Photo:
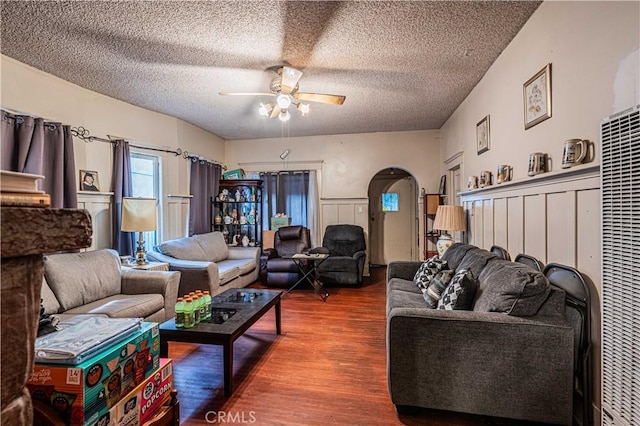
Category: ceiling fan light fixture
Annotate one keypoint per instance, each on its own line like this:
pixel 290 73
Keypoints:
pixel 303 108
pixel 265 109
pixel 283 101
pixel 284 115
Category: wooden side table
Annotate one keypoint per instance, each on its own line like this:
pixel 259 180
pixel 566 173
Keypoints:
pixel 150 266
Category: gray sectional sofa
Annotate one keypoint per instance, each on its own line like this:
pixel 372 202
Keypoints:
pixel 207 263
pixel 510 356
pixel 94 283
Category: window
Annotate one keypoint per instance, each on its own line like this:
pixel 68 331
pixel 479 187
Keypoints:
pixel 390 202
pixel 285 192
pixel 145 182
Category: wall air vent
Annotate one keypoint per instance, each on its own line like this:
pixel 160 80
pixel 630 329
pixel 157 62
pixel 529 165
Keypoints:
pixel 620 174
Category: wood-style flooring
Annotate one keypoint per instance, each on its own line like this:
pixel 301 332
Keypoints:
pixel 328 367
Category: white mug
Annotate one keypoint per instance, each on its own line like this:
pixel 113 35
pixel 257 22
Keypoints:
pixel 571 146
pixel 537 163
pixel 472 182
pixel 505 173
pixel 485 179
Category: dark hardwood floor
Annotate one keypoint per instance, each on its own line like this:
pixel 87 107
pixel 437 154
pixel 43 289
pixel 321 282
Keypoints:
pixel 327 367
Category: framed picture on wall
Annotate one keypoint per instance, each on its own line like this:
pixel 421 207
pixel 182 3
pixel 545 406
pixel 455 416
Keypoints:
pixel 89 181
pixel 482 135
pixel 537 97
pixel 443 185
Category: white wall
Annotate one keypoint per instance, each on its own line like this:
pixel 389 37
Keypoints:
pixel 593 49
pixel 29 90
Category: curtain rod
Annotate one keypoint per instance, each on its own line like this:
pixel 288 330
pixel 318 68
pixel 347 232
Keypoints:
pixel 84 134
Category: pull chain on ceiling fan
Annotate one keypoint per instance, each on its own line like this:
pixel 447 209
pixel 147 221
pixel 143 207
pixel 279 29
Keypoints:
pixel 284 88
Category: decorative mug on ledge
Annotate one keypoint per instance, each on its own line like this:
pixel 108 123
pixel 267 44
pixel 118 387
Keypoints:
pixel 505 173
pixel 472 182
pixel 485 179
pixel 537 163
pixel 575 152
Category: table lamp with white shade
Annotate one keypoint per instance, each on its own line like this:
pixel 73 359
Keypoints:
pixel 448 218
pixel 139 215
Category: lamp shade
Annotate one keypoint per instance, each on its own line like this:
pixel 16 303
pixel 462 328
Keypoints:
pixel 138 214
pixel 449 218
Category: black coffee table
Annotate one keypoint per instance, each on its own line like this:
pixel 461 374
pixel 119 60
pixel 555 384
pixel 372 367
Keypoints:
pixel 233 312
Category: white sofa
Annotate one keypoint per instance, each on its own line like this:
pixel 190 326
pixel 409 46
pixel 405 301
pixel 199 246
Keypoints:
pixel 207 263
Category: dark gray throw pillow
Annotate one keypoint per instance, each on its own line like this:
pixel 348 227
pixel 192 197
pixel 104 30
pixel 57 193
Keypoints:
pixel 460 292
pixel 512 288
pixel 438 284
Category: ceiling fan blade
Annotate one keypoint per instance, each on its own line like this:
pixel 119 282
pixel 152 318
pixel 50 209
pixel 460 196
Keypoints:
pixel 320 97
pixel 275 112
pixel 290 78
pixel 246 94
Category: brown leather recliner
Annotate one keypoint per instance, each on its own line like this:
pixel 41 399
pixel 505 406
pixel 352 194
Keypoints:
pixel 287 241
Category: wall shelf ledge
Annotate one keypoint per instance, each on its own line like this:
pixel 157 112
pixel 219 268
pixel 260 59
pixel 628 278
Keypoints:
pixel 555 176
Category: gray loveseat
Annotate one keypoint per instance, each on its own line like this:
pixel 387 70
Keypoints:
pixel 511 356
pixel 207 263
pixel 94 283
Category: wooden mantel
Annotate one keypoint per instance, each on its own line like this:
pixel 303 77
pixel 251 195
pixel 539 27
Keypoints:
pixel 26 234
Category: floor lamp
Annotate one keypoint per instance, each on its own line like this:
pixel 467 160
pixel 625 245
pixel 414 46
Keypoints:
pixel 139 215
pixel 448 218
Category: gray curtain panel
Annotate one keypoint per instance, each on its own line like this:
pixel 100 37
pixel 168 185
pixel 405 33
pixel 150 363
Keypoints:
pixel 22 143
pixel 59 166
pixel 31 145
pixel 123 242
pixel 205 184
pixel 286 192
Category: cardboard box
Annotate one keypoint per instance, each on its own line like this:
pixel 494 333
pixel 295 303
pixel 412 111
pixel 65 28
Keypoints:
pixel 141 403
pixel 233 174
pixel 279 222
pixel 76 392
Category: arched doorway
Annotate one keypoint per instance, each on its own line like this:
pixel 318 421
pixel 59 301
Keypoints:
pixel 393 226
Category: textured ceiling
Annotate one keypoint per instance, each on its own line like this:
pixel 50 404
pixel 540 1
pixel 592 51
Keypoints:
pixel 401 65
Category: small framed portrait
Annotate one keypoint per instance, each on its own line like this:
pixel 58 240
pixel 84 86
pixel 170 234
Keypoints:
pixel 89 181
pixel 443 185
pixel 537 97
pixel 482 135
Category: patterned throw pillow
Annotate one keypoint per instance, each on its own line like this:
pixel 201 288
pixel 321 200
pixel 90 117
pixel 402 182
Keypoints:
pixel 438 284
pixel 427 271
pixel 460 292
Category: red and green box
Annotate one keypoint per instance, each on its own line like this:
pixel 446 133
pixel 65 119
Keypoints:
pixel 76 392
pixel 142 403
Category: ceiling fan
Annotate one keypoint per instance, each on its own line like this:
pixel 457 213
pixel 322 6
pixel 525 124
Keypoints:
pixel 284 87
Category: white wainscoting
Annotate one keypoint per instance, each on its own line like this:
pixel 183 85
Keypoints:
pixel 554 217
pixel 352 211
pixel 98 204
pixel 176 216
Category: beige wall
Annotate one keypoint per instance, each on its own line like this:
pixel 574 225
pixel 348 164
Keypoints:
pixel 29 90
pixel 593 49
pixel 346 165
pixel 349 162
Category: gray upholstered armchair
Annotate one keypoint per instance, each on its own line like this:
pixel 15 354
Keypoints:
pixel 345 245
